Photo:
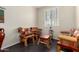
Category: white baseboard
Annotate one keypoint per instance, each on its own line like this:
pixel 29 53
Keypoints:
pixel 2 48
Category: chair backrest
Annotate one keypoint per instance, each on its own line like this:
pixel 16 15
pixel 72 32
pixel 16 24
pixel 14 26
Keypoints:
pixel 19 29
pixel 22 30
pixel 33 28
pixel 2 29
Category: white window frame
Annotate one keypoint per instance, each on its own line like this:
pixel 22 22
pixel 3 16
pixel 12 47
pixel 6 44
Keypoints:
pixel 51 17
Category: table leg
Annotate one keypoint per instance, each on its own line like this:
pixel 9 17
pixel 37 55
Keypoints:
pixel 58 48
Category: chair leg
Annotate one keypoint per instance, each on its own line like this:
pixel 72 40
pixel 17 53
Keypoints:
pixel 48 45
pixel 33 40
pixel 38 41
pixel 25 42
pixel 37 38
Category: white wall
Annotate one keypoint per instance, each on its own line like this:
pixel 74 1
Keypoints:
pixel 17 17
pixel 77 17
pixel 26 17
pixel 66 16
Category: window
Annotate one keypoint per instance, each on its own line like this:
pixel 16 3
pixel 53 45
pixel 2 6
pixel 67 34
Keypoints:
pixel 51 17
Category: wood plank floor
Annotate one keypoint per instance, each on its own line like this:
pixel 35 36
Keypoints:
pixel 31 48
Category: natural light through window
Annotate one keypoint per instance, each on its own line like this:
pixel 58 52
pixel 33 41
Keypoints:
pixel 51 17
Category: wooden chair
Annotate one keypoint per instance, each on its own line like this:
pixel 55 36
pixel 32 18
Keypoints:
pixel 25 34
pixel 36 32
pixel 24 39
pixel 2 35
pixel 45 39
